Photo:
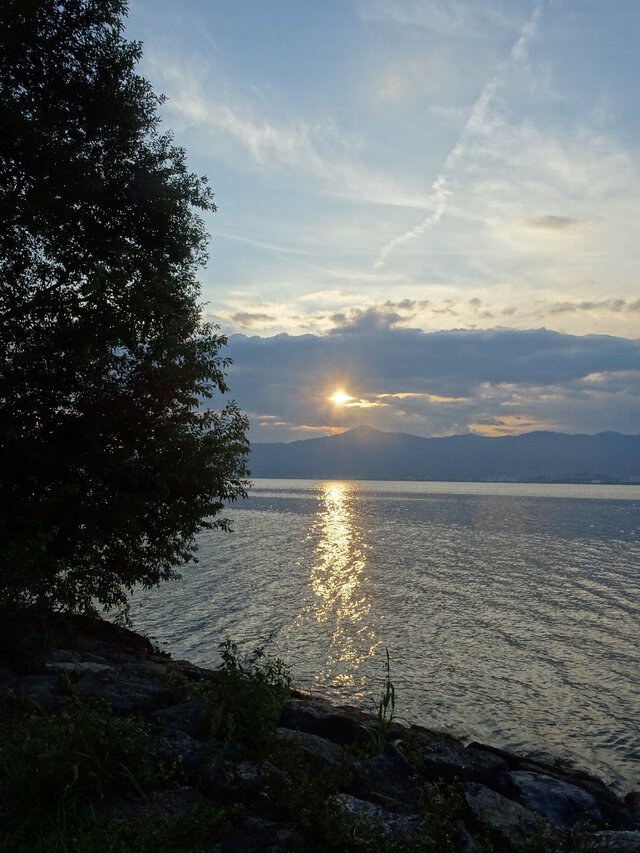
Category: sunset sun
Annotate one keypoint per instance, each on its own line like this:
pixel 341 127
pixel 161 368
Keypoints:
pixel 340 398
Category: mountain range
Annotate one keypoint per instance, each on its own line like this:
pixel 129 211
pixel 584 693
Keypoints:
pixel 365 453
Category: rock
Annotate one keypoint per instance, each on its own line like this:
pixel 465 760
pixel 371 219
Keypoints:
pixel 512 761
pixel 180 754
pixel 564 803
pixel 323 754
pixel 193 716
pixel 192 672
pixel 318 717
pixel 171 804
pixel 76 667
pixel 124 694
pixel 143 668
pixel 388 780
pixel 87 631
pixel 615 814
pixel 567 774
pixel 41 690
pixel 356 811
pixel 229 778
pixel 620 842
pixel 64 656
pixel 258 835
pixel 236 781
pixel 509 821
pixel 632 802
pixel 612 810
pixel 485 766
pixel 510 800
pixel 444 758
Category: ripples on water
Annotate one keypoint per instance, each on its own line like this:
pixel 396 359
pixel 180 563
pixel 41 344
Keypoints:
pixel 510 612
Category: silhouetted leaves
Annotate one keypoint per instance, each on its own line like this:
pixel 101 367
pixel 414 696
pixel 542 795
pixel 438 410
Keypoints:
pixel 107 465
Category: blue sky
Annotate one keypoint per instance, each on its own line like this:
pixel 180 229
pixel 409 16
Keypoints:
pixel 437 181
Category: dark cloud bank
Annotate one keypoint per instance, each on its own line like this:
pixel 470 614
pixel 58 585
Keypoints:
pixel 436 383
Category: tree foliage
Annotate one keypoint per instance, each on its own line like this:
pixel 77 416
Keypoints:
pixel 108 464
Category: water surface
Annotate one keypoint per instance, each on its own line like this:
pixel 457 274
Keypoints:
pixel 510 611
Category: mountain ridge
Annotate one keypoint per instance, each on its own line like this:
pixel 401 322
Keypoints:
pixel 366 453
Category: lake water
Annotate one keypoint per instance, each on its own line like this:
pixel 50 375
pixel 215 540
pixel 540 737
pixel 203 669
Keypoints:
pixel 510 612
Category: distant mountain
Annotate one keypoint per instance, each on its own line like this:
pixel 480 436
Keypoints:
pixel 368 454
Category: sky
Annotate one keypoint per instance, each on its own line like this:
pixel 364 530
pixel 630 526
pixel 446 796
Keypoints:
pixel 427 209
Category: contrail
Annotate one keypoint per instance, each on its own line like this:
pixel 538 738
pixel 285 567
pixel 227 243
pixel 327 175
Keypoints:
pixel 440 189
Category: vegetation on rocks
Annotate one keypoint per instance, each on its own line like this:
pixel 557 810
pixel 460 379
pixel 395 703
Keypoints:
pixel 109 745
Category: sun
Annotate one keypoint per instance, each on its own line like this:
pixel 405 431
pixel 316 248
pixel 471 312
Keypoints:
pixel 340 398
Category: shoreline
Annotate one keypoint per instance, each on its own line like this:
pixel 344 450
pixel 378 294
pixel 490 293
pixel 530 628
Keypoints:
pixel 384 771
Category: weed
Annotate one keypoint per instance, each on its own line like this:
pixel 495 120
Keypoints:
pixel 256 666
pixel 303 795
pixel 155 833
pixel 442 809
pixel 385 714
pixel 253 690
pixel 56 769
pixel 305 798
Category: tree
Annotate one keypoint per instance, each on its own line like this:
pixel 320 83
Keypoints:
pixel 109 462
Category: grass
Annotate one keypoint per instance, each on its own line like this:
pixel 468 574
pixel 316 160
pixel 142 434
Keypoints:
pixel 57 769
pixel 304 797
pixel 62 773
pixel 154 833
pixel 251 695
pixel 385 714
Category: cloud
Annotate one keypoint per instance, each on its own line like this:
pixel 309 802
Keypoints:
pixel 617 306
pixel 320 150
pixel 508 425
pixel 476 123
pixel 552 223
pixel 460 18
pixel 437 383
pixel 385 316
pixel 261 244
pixel 246 320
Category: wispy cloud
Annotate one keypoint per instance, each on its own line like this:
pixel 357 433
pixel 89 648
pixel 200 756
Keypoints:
pixel 618 306
pixel 461 18
pixel 476 123
pixel 260 244
pixel 320 150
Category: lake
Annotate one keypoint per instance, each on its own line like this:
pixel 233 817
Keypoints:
pixel 510 611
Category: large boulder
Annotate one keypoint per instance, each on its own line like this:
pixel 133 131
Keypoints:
pixel 342 725
pixel 387 779
pixel 320 753
pixel 561 802
pixel 508 822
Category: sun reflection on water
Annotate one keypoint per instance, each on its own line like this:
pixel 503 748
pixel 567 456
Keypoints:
pixel 338 581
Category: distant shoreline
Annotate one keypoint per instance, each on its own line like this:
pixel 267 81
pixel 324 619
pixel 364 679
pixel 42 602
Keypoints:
pixel 309 477
pixel 537 457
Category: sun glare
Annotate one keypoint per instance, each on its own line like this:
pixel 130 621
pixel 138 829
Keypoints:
pixel 340 398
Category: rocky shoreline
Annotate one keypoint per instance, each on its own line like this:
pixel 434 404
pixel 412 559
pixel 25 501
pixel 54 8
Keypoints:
pixel 418 789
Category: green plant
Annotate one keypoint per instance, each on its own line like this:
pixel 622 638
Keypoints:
pixel 56 769
pixel 155 833
pixel 304 796
pixel 251 694
pixel 385 713
pixel 442 808
pixel 256 666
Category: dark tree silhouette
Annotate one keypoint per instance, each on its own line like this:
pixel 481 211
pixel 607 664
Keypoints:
pixel 108 464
